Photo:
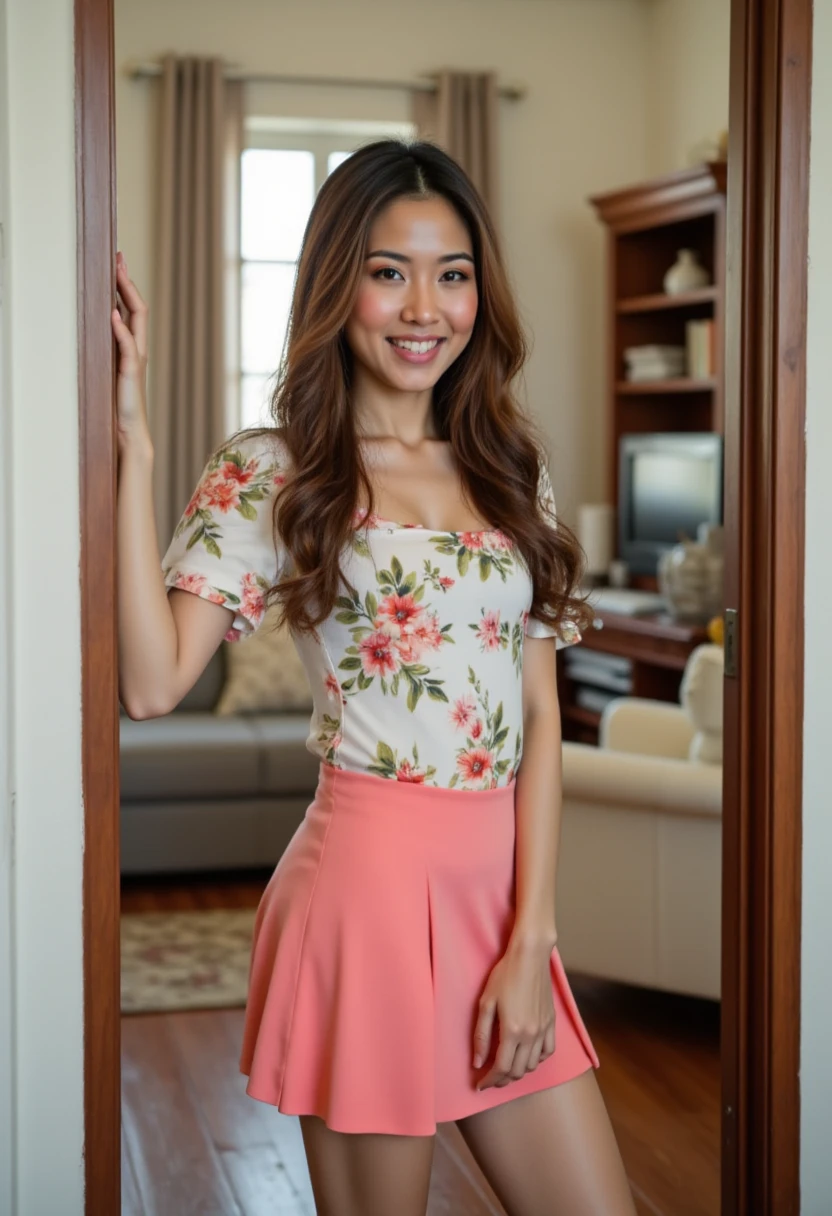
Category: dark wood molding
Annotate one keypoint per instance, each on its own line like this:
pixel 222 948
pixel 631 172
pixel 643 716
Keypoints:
pixel 768 165
pixel 96 215
pixel 685 192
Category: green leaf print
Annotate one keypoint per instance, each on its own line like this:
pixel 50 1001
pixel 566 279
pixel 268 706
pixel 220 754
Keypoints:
pixel 396 567
pixel 371 604
pixel 246 509
pixel 212 547
pixel 350 664
pixel 435 693
pixel 463 561
pixel 485 567
pixel 386 754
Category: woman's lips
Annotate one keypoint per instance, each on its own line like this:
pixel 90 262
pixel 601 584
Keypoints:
pixel 409 355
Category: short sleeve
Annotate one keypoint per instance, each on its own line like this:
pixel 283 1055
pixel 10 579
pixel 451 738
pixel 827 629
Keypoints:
pixel 568 634
pixel 223 548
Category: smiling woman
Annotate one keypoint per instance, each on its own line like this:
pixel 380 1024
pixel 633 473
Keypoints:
pixel 438 791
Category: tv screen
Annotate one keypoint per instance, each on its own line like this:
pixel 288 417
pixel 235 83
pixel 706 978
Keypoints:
pixel 669 485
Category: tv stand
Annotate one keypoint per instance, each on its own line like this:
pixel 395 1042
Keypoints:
pixel 657 645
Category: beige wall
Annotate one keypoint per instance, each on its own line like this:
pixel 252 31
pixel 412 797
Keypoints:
pixel 687 81
pixel 580 129
pixel 816 961
pixel 41 1120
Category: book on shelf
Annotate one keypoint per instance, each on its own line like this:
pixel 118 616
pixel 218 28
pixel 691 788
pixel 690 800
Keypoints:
pixel 654 362
pixel 599 660
pixel 700 345
pixel 589 674
pixel 594 699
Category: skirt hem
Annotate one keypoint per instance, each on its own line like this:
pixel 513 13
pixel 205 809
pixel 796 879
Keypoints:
pixel 339 1125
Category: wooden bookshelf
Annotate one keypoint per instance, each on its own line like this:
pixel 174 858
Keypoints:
pixel 647 224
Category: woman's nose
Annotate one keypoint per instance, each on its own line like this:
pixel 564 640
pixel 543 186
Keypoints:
pixel 420 306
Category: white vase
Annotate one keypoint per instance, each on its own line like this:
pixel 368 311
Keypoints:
pixel 686 274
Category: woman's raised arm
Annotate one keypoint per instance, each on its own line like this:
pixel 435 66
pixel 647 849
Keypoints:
pixel 164 642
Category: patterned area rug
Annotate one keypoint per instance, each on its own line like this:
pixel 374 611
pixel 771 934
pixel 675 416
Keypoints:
pixel 185 960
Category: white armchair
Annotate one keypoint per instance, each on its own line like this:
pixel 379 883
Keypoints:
pixel 640 873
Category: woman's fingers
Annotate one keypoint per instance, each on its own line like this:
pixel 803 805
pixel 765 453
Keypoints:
pixel 482 1033
pixel 136 306
pixel 535 1053
pixel 498 1074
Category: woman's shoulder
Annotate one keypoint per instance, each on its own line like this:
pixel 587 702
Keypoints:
pixel 261 449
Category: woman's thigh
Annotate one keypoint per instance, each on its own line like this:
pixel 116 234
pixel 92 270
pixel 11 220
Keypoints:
pixel 552 1153
pixel 366 1174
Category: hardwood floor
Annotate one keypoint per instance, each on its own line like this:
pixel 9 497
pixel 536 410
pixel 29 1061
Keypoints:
pixel 194 1144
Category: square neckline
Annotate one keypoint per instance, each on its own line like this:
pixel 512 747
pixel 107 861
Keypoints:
pixel 382 521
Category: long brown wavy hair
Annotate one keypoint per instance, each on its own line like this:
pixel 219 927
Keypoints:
pixel 497 445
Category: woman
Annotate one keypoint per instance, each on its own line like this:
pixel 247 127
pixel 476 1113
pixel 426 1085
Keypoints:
pixel 404 969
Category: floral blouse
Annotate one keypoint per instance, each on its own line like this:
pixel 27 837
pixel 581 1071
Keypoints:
pixel 416 673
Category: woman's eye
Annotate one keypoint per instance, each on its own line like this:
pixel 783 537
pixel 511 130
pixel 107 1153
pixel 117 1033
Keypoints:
pixel 385 273
pixel 461 276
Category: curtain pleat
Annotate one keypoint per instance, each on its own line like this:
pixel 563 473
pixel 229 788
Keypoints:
pixel 195 346
pixel 461 116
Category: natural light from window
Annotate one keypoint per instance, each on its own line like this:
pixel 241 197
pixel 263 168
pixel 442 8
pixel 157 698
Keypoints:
pixel 282 170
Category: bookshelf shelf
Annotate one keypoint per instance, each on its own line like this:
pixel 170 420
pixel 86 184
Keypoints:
pixel 660 301
pixel 638 388
pixel 646 226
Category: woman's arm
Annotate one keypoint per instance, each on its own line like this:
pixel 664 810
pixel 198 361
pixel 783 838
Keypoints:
pixel 165 639
pixel 163 643
pixel 538 796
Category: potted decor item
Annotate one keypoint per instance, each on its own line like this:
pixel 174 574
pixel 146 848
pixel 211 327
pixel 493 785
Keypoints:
pixel 691 576
pixel 686 274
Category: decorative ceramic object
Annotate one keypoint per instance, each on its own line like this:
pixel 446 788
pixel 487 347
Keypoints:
pixel 691 576
pixel 686 274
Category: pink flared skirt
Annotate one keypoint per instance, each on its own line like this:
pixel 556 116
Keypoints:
pixel 372 944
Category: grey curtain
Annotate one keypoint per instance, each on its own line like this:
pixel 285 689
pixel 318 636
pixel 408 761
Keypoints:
pixel 461 116
pixel 194 356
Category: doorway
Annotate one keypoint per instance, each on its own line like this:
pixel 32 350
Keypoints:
pixel 764 434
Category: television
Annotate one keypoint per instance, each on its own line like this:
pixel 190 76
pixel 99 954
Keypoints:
pixel 668 485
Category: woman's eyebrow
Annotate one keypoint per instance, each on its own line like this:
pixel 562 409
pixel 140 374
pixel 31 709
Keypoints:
pixel 400 257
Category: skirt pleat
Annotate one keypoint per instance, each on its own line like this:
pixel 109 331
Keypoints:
pixel 372 943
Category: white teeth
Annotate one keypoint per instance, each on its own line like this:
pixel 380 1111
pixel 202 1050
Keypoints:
pixel 419 348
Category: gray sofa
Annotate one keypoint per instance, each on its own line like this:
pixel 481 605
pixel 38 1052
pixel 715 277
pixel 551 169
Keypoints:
pixel 204 792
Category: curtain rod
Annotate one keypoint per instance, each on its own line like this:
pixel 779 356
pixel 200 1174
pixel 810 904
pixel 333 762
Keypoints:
pixel 426 85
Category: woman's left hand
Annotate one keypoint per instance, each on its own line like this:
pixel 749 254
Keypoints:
pixel 519 992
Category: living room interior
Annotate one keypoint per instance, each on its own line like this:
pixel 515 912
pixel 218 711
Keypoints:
pixel 609 191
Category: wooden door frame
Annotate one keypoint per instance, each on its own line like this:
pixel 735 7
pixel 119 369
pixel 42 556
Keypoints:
pixel 765 389
pixel 766 286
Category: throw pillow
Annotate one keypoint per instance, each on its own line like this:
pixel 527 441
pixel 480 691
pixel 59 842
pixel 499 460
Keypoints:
pixel 264 673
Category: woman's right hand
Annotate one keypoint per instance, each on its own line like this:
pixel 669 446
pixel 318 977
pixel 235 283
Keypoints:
pixel 131 335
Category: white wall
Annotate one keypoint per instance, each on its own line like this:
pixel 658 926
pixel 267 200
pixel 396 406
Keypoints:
pixel 580 129
pixel 816 961
pixel 41 1169
pixel 687 82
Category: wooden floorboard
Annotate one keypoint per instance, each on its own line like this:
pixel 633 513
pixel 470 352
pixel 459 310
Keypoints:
pixel 194 1142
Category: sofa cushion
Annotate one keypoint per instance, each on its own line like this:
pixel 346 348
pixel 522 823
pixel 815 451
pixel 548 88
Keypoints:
pixel 288 768
pixel 189 755
pixel 264 673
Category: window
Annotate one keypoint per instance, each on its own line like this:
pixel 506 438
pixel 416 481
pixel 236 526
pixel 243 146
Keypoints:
pixel 284 164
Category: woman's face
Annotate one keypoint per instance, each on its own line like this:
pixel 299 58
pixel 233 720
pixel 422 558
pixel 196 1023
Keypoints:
pixel 417 302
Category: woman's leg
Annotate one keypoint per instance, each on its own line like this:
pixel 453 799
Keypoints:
pixel 552 1153
pixel 366 1174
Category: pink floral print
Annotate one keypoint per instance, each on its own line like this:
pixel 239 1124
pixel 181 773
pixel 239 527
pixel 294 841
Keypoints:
pixel 417 672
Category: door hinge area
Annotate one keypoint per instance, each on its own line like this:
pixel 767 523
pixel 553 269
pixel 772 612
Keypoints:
pixel 731 642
